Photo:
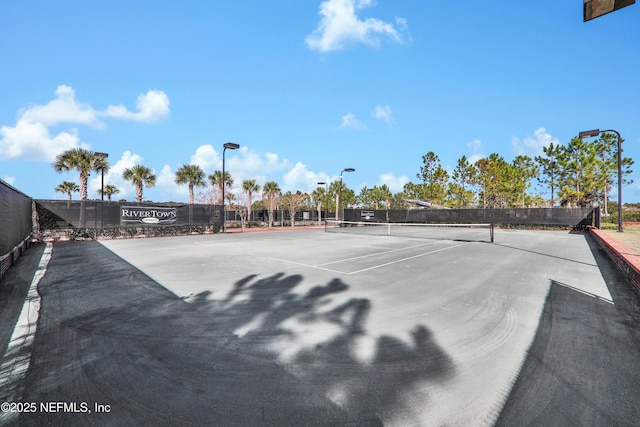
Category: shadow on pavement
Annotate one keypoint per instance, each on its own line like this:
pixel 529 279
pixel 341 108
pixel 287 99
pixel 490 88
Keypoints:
pixel 261 355
pixel 582 368
pixel 14 287
pixel 622 291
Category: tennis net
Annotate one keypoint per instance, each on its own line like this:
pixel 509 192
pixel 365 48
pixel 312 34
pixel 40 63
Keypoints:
pixel 460 232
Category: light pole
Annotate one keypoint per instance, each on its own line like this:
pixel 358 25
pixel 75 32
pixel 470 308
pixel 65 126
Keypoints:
pixel 326 191
pixel 230 146
pixel 339 193
pixel 596 132
pixel 103 156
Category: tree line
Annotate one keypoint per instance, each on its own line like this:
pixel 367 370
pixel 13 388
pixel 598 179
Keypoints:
pixel 580 173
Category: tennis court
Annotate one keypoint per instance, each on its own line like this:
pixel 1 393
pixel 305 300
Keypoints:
pixel 309 327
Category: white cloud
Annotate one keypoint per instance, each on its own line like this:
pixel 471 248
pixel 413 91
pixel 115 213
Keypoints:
pixel 349 121
pixel 241 164
pixel 301 178
pixel 244 162
pixel 383 113
pixel 63 109
pixel 395 183
pixel 166 183
pixel 476 151
pixel 273 161
pixel 152 106
pixel 114 177
pixel 247 163
pixel 9 179
pixel 31 139
pixel 533 145
pixel 207 158
pixel 340 26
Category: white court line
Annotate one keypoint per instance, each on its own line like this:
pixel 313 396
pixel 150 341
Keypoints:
pixel 319 267
pixel 376 254
pixel 18 355
pixel 408 258
pixel 309 266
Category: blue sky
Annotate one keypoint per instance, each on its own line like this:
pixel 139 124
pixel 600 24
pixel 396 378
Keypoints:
pixel 307 88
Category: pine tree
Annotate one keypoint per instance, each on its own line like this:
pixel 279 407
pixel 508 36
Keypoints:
pixel 550 168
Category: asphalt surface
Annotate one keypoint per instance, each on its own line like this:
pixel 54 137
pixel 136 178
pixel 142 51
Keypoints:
pixel 307 328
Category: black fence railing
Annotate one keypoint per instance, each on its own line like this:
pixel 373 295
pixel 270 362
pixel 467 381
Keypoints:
pixel 569 217
pixel 15 224
pixel 57 214
pixel 95 214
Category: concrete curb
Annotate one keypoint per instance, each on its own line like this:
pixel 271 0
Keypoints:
pixel 627 260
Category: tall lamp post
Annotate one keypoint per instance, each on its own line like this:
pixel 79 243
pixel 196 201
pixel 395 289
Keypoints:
pixel 326 191
pixel 339 194
pixel 596 132
pixel 103 156
pixel 230 146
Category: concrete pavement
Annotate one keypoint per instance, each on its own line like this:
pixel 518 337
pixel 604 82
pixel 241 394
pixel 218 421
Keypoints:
pixel 308 328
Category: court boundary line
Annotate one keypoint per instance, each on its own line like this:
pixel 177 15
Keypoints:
pixel 349 273
pixel 411 257
pixel 378 253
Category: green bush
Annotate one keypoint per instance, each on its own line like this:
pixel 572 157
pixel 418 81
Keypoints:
pixel 627 216
pixel 127 232
pixel 608 226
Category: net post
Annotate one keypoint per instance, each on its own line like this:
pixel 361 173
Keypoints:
pixel 491 231
pixel 388 229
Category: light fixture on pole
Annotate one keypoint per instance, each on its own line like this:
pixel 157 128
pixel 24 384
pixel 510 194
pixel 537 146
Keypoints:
pixel 596 132
pixel 230 146
pixel 339 193
pixel 103 156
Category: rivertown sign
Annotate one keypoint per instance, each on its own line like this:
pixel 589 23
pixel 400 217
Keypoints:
pixel 148 215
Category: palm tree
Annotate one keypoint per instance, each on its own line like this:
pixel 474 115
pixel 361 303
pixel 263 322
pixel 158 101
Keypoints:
pixel 139 175
pixel 109 190
pixel 68 187
pixel 192 175
pixel 317 196
pixel 216 180
pixel 249 186
pixel 83 161
pixel 271 192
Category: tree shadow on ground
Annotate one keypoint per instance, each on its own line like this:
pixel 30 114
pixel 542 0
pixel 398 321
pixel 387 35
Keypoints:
pixel 267 353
